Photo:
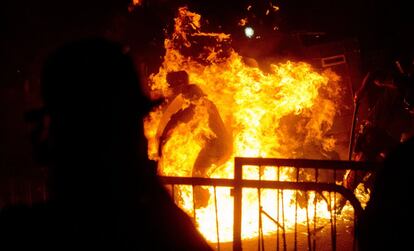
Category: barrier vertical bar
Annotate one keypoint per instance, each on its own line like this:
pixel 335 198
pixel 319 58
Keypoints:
pixel 237 194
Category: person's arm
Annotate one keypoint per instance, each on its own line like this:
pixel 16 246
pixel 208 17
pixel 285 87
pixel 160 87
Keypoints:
pixel 171 109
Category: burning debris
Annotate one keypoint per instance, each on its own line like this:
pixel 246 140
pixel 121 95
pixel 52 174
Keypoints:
pixel 227 108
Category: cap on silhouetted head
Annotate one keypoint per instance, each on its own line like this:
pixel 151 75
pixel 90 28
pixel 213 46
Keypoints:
pixel 92 76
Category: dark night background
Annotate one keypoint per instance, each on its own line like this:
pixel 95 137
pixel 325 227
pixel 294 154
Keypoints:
pixel 31 29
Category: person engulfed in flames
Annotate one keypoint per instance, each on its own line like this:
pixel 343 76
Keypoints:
pixel 180 108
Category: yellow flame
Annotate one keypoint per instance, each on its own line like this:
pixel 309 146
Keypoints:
pixel 282 112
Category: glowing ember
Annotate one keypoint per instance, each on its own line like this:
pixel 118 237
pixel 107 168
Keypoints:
pixel 283 113
pixel 243 22
pixel 134 3
pixel 137 2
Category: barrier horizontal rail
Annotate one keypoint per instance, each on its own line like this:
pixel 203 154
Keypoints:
pixel 267 184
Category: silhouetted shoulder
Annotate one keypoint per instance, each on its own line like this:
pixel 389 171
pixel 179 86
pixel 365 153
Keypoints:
pixel 385 223
pixel 24 227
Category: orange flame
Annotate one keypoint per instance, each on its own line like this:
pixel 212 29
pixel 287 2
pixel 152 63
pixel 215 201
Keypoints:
pixel 283 112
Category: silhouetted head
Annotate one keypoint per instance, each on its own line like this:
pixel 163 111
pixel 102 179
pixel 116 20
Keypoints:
pixel 177 79
pixel 92 75
pixel 179 83
pixel 96 105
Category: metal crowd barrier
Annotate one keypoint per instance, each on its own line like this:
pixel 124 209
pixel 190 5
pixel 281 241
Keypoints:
pixel 317 186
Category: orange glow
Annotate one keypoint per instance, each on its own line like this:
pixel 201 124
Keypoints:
pixel 134 4
pixel 137 2
pixel 280 113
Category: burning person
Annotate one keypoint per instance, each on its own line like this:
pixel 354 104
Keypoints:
pixel 180 108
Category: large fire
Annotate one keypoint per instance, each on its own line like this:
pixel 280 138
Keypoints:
pixel 283 112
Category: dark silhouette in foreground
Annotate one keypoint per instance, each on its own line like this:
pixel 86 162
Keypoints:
pixel 104 193
pixel 387 221
pixel 389 96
